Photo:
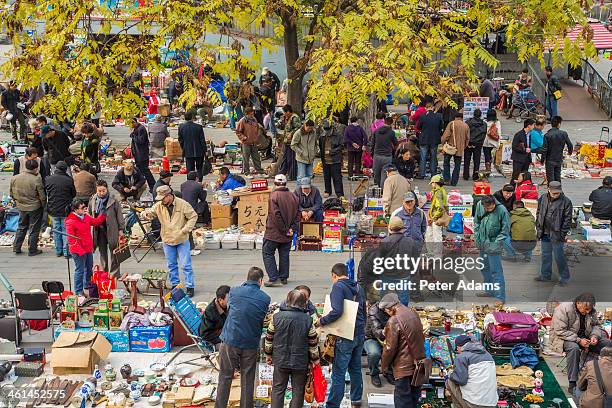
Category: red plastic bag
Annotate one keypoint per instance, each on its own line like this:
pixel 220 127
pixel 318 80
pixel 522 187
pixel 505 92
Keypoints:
pixel 320 384
pixel 366 160
pixel 104 282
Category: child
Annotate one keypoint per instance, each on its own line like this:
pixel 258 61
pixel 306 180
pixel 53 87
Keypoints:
pixel 405 164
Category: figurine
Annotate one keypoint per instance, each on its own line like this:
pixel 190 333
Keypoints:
pixel 538 387
pixel 110 373
pixel 126 371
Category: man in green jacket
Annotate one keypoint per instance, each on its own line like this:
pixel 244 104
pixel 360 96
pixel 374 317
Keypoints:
pixel 304 144
pixel 491 229
pixel 523 237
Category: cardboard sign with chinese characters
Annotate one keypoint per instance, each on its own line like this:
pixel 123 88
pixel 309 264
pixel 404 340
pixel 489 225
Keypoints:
pixel 252 215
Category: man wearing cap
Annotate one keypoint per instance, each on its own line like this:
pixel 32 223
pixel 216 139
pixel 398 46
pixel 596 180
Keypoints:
pixel 310 201
pixel 60 193
pixel 177 219
pixel 472 383
pixel 553 224
pixel 602 200
pixel 165 177
pixel 281 223
pixel 414 219
pixel 56 144
pixel 129 182
pixel 404 347
pixel 140 151
pixel 394 189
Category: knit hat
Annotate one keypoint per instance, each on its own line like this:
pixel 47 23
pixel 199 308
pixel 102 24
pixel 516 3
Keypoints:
pixel 45 129
pixel 61 165
pixel 462 340
pixel 436 179
pixel 390 167
pixel 388 301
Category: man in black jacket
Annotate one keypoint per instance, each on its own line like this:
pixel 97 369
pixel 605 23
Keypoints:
pixel 9 100
pixel 60 193
pixel 478 132
pixel 193 144
pixel 140 151
pixel 431 126
pixel 602 200
pixel 331 143
pixel 129 182
pixel 382 147
pixel 553 224
pixel 374 334
pixel 555 141
pixel 521 152
pixel 56 144
pixel 214 317
pixel 194 193
pixel 552 86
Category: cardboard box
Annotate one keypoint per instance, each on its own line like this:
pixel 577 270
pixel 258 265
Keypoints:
pixel 78 352
pixel 220 211
pixel 120 340
pixel 219 223
pixel 173 149
pixel 151 339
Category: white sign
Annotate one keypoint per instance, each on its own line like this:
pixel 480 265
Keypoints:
pixel 471 103
pixel 345 326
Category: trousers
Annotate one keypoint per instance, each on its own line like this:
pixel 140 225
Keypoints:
pixel 104 249
pixel 195 164
pixel 231 359
pixel 29 222
pixel 457 398
pixel 469 154
pixel 250 152
pixel 333 172
pixel 378 165
pixel 268 252
pixel 280 379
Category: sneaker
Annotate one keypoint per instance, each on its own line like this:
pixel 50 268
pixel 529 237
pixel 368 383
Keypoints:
pixel 527 259
pixel 284 281
pixel 390 379
pixel 563 283
pixel 190 292
pixel 18 251
pixel 195 252
pixel 59 255
pixel 510 258
pixel 376 381
pixel 37 252
pixel 273 284
pixel 571 388
pixel 484 294
pixel 541 279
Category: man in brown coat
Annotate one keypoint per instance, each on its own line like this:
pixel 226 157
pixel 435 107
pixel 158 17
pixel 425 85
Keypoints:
pixel 593 389
pixel 395 188
pixel 247 131
pixel 403 348
pixel 84 182
pixel 457 134
pixel 281 223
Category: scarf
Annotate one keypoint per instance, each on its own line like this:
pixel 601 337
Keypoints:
pixel 81 217
pixel 101 203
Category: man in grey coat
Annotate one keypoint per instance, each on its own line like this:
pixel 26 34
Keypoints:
pixel 106 237
pixel 158 132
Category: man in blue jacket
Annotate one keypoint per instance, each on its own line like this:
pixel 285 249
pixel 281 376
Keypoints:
pixel 415 221
pixel 347 354
pixel 227 181
pixel 241 337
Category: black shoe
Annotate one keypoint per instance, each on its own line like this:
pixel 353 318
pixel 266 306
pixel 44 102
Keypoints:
pixel 419 177
pixel 376 381
pixel 67 256
pixel 18 252
pixel 563 283
pixel 541 279
pixel 571 388
pixel 510 258
pixel 284 281
pixel 390 379
pixel 527 259
pixel 59 255
pixel 190 292
pixel 37 252
pixel 272 284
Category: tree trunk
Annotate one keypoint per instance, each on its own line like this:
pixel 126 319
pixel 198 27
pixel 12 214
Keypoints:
pixel 292 54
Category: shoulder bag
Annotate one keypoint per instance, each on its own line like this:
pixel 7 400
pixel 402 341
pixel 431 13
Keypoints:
pixel 607 397
pixel 492 133
pixel 450 149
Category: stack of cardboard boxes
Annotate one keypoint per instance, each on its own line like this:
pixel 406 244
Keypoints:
pixel 221 216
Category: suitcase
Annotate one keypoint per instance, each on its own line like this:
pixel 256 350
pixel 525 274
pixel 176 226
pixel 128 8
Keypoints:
pixel 503 350
pixel 512 328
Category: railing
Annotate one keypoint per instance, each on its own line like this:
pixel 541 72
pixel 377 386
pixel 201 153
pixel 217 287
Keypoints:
pixel 537 85
pixel 598 87
pixel 600 12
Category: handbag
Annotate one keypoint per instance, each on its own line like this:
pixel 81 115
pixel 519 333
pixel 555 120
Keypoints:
pixel 448 148
pixel 206 166
pixel 557 94
pixel 444 220
pixel 607 397
pixel 319 383
pixel 422 372
pixel 329 347
pixel 492 133
pixel 122 253
pixel 309 388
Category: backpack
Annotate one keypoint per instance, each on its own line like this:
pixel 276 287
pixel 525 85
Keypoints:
pixel 492 132
pixel 607 397
pixel 523 355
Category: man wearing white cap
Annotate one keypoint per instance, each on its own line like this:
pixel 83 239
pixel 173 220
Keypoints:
pixel 177 219
pixel 280 225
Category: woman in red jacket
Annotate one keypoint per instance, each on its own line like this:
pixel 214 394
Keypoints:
pixel 525 189
pixel 80 243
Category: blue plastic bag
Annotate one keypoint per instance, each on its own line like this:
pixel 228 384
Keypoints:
pixel 456 224
pixel 523 355
pixel 11 220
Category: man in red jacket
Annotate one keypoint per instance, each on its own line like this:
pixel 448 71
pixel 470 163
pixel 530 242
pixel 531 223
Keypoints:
pixel 281 223
pixel 80 243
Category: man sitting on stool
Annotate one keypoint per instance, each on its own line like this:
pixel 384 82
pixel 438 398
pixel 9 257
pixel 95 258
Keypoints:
pixel 129 182
pixel 575 329
pixel 214 317
pixel 310 201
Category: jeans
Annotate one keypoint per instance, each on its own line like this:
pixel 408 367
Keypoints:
pixel 28 221
pixel 280 379
pixel 143 167
pixel 446 174
pixel 303 170
pixel 273 129
pixel 230 360
pixel 194 164
pixel 556 249
pixel 354 162
pixel 403 295
pixel 488 154
pixel 551 106
pixel 378 165
pixel 553 171
pixel 469 154
pixel 429 152
pixel 83 267
pixel 333 172
pixel 347 356
pixel 268 251
pixel 493 273
pixel 405 395
pixel 61 241
pixel 176 254
pixel 235 114
pixel 512 247
pixel 250 151
pixel 374 350
pixel 18 116
pixel 518 168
